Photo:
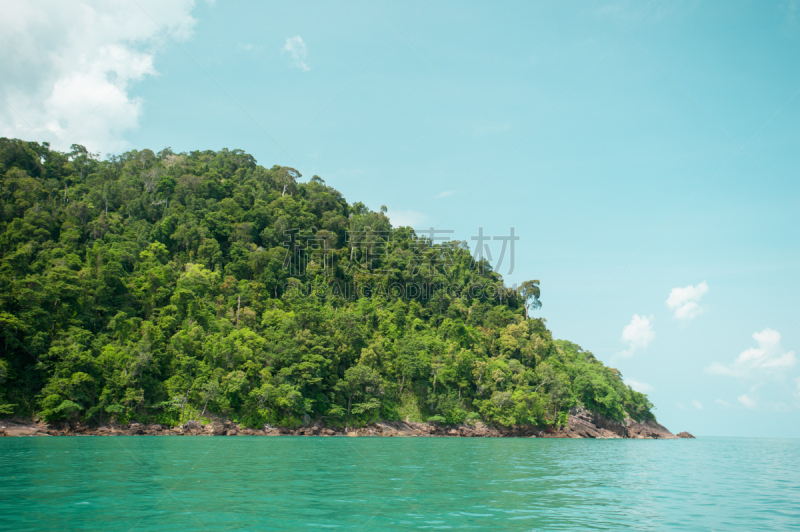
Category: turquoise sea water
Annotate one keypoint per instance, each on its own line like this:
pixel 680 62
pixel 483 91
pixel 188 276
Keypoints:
pixel 292 483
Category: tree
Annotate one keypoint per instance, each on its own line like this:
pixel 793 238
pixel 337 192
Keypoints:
pixel 288 177
pixel 166 184
pixel 529 292
pixel 360 382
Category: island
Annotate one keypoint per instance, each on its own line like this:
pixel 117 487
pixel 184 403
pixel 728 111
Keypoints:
pixel 201 293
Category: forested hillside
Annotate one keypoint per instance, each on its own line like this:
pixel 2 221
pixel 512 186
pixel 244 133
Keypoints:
pixel 161 286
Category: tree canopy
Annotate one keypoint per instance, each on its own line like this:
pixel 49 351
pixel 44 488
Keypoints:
pixel 161 286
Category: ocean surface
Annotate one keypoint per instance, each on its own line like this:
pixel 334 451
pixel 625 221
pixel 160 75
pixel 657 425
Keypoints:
pixel 306 483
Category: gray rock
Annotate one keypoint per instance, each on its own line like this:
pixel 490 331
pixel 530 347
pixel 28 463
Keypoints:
pixel 192 425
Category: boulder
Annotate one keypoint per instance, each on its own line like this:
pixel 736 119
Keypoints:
pixel 192 425
pixel 685 434
pixel 215 428
pixel 584 423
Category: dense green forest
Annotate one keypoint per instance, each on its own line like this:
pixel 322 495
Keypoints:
pixel 163 286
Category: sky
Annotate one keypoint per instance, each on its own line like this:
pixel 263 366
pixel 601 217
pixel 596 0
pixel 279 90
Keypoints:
pixel 645 153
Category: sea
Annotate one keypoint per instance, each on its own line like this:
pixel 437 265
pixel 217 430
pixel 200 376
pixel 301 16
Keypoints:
pixel 372 483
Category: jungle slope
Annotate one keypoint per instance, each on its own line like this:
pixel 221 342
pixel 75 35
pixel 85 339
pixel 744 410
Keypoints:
pixel 161 288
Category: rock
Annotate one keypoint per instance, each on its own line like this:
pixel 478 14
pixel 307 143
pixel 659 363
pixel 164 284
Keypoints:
pixel 582 424
pixel 215 428
pixel 685 434
pixel 192 425
pixel 586 424
pixel 648 429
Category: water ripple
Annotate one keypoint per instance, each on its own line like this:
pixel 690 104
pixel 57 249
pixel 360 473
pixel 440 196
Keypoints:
pixel 164 483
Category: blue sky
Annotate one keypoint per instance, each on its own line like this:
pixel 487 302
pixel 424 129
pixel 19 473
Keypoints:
pixel 635 147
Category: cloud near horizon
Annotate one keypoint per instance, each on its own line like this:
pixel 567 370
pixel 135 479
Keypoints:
pixel 685 302
pixel 641 387
pixel 746 401
pixel 768 358
pixel 298 51
pixel 637 334
pixel 67 67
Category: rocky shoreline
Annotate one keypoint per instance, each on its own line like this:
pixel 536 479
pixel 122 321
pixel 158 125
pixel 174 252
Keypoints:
pixel 582 424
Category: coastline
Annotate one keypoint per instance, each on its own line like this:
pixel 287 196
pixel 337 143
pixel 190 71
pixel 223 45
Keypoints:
pixel 582 424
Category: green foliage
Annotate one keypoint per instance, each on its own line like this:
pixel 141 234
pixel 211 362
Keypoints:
pixel 165 286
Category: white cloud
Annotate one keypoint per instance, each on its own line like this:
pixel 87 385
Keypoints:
pixel 681 406
pixel 642 387
pixel 60 60
pixel 768 357
pixel 685 302
pixel 406 218
pixel 697 404
pixel 746 401
pixel 720 402
pixel 637 334
pixel 444 194
pixel 296 47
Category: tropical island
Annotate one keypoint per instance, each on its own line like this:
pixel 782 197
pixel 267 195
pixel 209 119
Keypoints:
pixel 202 293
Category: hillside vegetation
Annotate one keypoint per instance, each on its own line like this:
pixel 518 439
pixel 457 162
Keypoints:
pixel 162 286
